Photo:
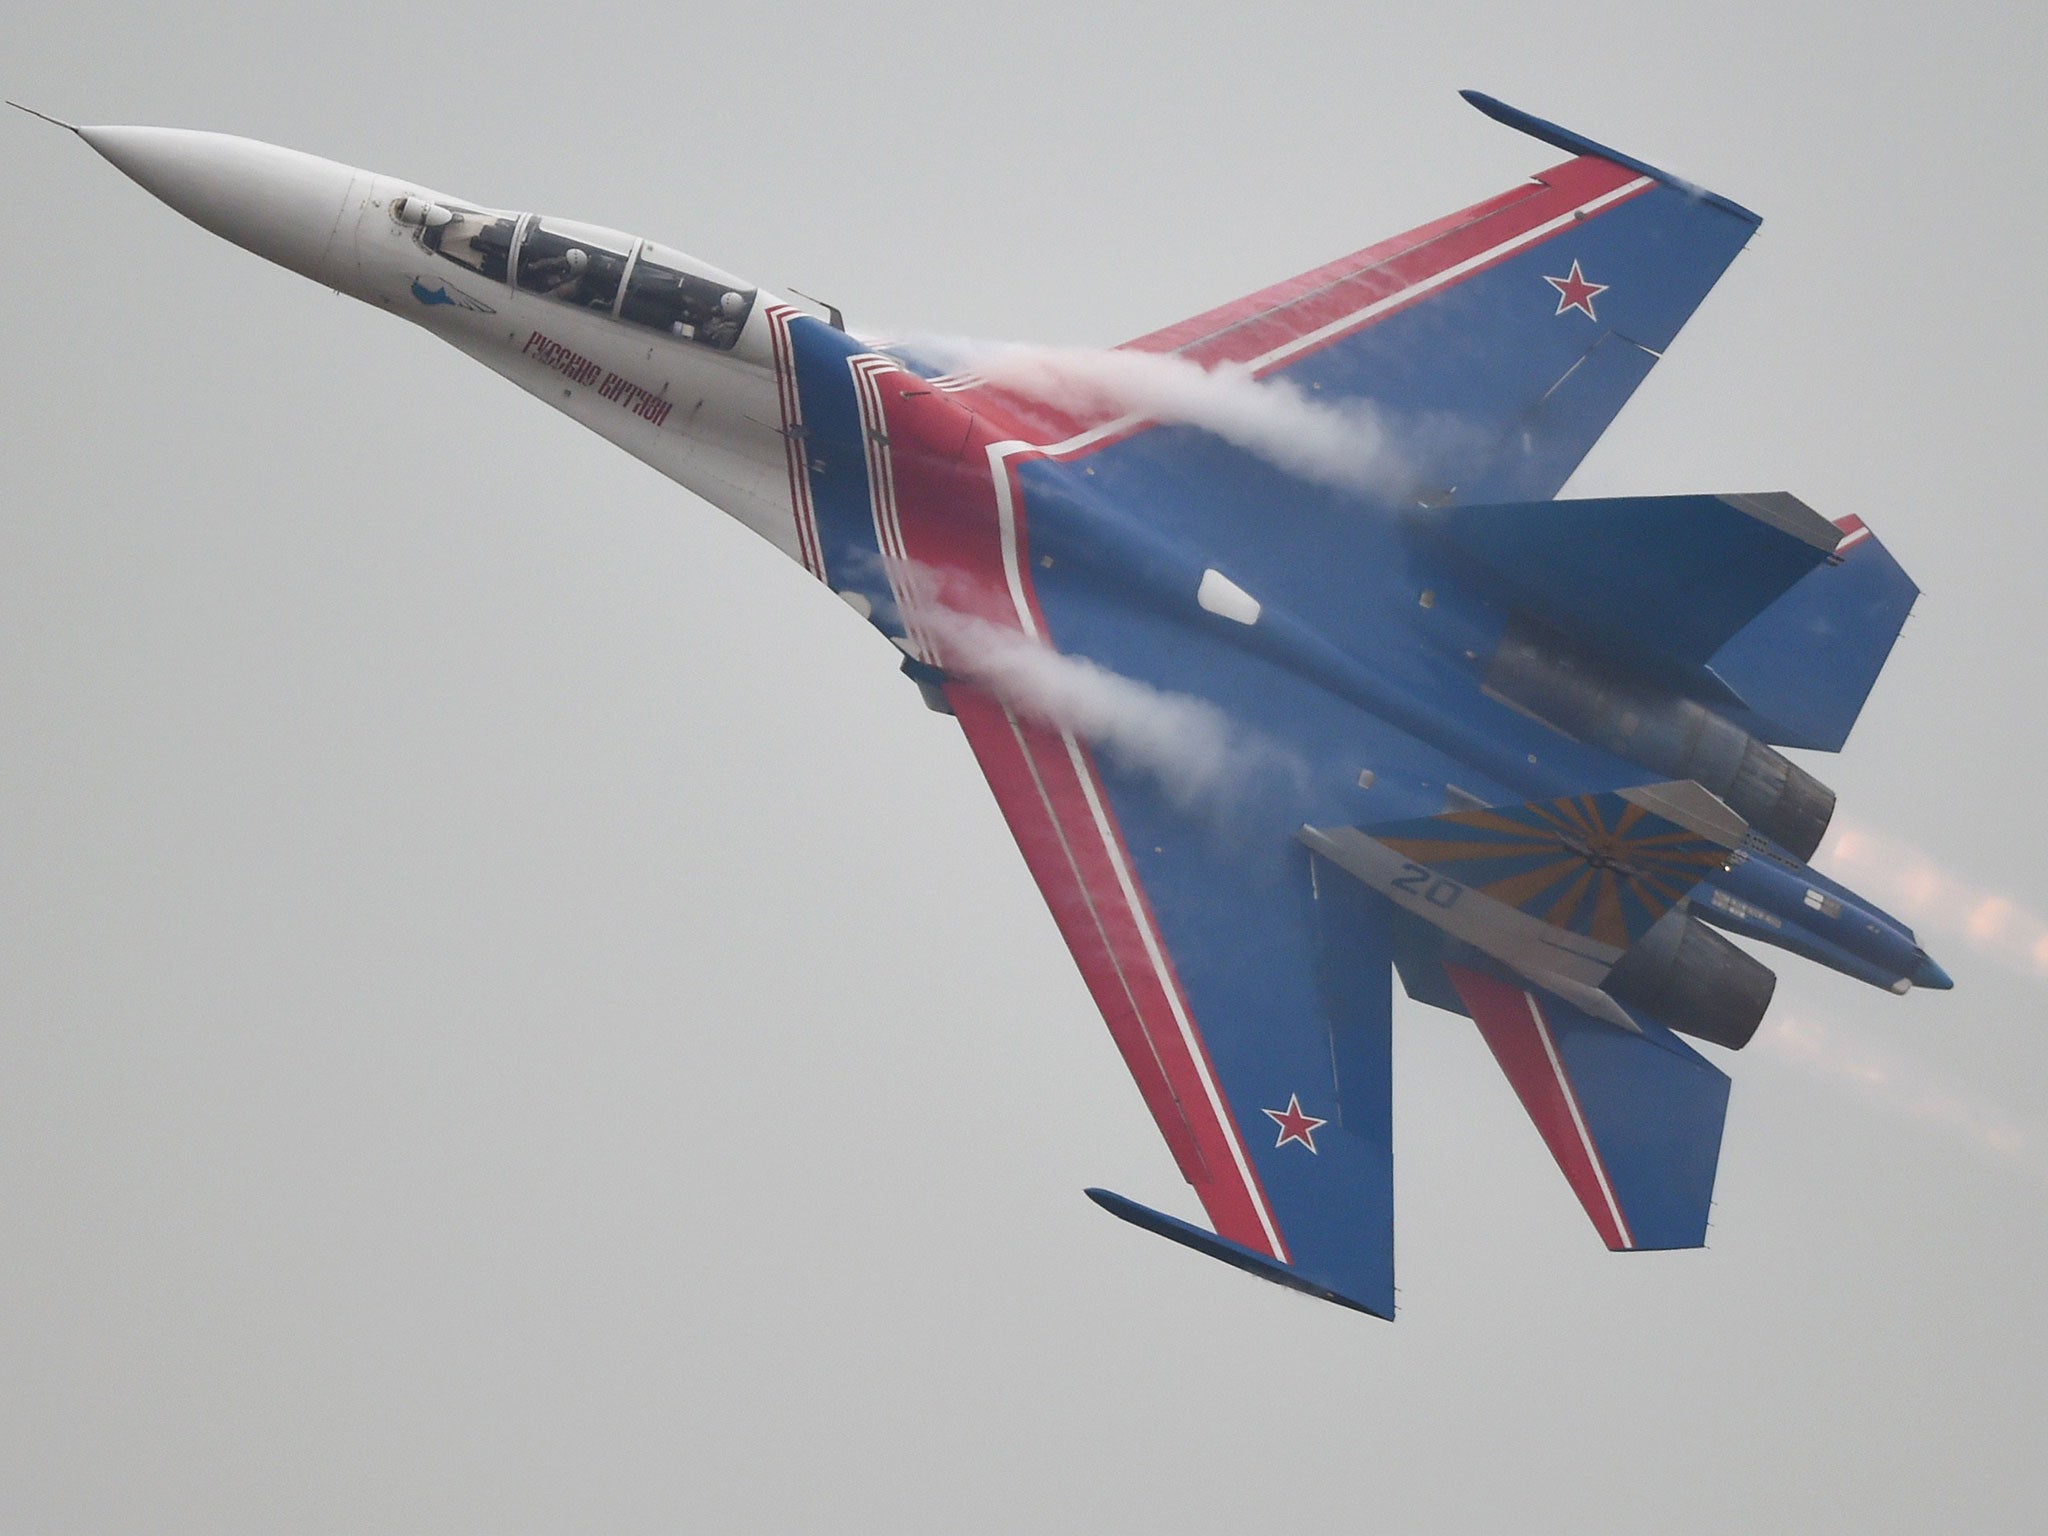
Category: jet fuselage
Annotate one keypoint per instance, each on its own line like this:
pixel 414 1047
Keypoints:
pixel 707 378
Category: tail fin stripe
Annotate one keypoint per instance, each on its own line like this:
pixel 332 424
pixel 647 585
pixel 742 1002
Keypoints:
pixel 1571 1101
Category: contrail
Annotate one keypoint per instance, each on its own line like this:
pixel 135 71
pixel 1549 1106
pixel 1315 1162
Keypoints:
pixel 1349 444
pixel 1905 1088
pixel 1202 759
pixel 1919 889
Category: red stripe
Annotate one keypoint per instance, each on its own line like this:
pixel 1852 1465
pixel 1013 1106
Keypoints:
pixel 1514 1034
pixel 1261 323
pixel 1042 797
pixel 1016 758
pixel 950 524
pixel 787 402
pixel 1200 327
pixel 1240 1194
pixel 1416 260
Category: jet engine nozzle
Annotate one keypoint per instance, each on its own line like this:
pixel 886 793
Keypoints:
pixel 294 209
pixel 1687 977
pixel 1672 735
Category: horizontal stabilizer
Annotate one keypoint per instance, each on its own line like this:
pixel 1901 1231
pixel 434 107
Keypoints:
pixel 1556 890
pixel 1606 866
pixel 1633 1120
pixel 1234 1254
pixel 1667 579
pixel 1804 666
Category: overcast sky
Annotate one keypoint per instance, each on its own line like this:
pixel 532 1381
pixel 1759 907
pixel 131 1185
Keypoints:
pixel 514 1018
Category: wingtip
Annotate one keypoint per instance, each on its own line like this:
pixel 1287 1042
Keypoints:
pixel 1237 1256
pixel 1494 108
pixel 1578 144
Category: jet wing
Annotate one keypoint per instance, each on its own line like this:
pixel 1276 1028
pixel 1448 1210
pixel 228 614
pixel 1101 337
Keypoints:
pixel 1496 343
pixel 1249 998
pixel 1484 352
pixel 1499 342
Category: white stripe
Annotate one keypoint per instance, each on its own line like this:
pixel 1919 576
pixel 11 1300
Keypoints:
pixel 1291 348
pixel 1102 930
pixel 881 486
pixel 1006 512
pixel 1571 1101
pixel 1006 520
pixel 797 461
pixel 1449 274
pixel 902 575
pixel 1166 984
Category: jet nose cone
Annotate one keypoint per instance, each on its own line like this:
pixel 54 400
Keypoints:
pixel 1928 974
pixel 296 210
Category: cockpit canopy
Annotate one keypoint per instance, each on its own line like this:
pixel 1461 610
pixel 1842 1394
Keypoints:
pixel 633 280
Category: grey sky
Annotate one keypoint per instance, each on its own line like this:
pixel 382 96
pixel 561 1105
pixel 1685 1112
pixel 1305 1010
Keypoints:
pixel 514 1018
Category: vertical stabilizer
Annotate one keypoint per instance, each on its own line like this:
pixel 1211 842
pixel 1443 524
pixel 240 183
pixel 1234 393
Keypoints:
pixel 1805 664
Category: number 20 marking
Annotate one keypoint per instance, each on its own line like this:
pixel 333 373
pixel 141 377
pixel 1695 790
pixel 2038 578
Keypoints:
pixel 1432 888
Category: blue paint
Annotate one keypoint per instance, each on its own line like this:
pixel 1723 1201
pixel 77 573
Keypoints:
pixel 1654 1108
pixel 835 452
pixel 455 297
pixel 1674 577
pixel 1378 607
pixel 1807 663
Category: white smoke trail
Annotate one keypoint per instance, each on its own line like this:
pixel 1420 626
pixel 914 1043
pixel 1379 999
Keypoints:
pixel 1195 753
pixel 1348 444
pixel 1887 1079
pixel 1911 884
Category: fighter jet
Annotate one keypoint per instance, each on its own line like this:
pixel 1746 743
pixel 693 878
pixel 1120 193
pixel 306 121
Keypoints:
pixel 1285 696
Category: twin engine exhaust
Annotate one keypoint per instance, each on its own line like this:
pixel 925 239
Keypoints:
pixel 1689 978
pixel 1664 732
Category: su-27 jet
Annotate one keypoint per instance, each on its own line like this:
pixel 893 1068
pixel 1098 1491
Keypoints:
pixel 1522 752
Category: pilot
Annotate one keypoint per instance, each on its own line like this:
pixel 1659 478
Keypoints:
pixel 722 327
pixel 556 276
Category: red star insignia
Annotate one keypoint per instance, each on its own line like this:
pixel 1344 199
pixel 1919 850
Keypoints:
pixel 1575 292
pixel 1294 1125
